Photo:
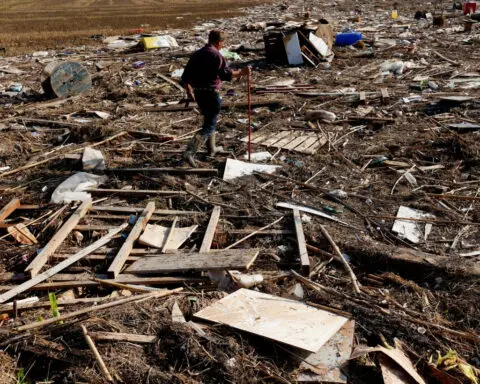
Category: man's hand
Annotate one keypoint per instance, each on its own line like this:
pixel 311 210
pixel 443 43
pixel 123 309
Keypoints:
pixel 246 71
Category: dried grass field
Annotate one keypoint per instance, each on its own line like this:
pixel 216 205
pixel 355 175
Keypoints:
pixel 29 25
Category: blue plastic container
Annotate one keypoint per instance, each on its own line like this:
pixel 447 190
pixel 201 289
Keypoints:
pixel 348 38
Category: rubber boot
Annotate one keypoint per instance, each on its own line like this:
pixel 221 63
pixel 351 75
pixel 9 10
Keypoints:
pixel 212 147
pixel 189 154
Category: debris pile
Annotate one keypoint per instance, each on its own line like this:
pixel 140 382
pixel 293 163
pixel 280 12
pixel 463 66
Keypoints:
pixel 344 248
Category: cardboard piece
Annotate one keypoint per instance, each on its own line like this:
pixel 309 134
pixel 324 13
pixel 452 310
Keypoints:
pixel 396 359
pixel 325 32
pixel 286 321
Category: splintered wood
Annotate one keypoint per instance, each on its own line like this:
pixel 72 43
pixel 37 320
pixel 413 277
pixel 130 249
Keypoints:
pixel 303 142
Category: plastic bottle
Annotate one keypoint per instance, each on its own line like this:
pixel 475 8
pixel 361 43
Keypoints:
pixel 394 14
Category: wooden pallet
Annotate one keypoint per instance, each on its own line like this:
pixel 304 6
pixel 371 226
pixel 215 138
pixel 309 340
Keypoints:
pixel 303 142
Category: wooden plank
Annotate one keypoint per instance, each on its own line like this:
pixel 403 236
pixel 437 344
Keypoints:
pixel 275 137
pixel 128 337
pixel 296 142
pixel 285 140
pixel 61 266
pixel 166 212
pixel 362 97
pixel 322 140
pixel 183 171
pixel 385 95
pixel 122 278
pixel 259 138
pixel 127 246
pixel 224 259
pixel 8 209
pixel 302 244
pixel 210 232
pixel 306 144
pixel 36 265
pixel 61 303
pixel 170 234
pixel 287 321
pixel 138 192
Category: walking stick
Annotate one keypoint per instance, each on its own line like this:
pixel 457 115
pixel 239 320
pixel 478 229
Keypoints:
pixel 249 119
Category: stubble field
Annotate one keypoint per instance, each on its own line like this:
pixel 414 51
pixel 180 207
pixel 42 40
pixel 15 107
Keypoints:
pixel 29 25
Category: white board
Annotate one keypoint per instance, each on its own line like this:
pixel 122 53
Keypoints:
pixel 237 168
pixel 155 236
pixel 276 318
pixel 319 44
pixel 293 50
pixel 411 230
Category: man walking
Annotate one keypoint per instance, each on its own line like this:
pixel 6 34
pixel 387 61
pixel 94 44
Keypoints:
pixel 202 78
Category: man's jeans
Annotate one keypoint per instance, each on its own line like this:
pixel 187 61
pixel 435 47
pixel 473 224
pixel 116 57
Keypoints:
pixel 209 103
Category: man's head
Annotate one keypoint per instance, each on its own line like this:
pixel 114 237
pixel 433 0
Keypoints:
pixel 216 38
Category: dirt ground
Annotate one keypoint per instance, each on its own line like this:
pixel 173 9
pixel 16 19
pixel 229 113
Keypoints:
pixel 29 26
pixel 382 153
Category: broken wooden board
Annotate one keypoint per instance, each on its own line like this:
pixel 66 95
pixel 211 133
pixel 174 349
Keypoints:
pixel 389 371
pixel 298 141
pixel 302 245
pixel 22 234
pixel 126 337
pixel 237 168
pixel 286 321
pixel 324 366
pixel 156 235
pixel 218 260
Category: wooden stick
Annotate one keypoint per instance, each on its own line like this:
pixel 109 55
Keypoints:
pixel 129 287
pixel 8 209
pixel 127 246
pixel 445 58
pixel 61 266
pixel 302 245
pixel 96 308
pixel 165 212
pixel 133 192
pixel 128 337
pixel 189 171
pixel 340 255
pixel 254 233
pixel 46 304
pixel 170 234
pixel 36 265
pixel 210 232
pixel 93 348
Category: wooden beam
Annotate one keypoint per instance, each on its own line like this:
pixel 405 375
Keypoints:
pixel 128 337
pixel 211 228
pixel 61 303
pixel 98 358
pixel 219 260
pixel 138 192
pixel 136 280
pixel 302 245
pixel 166 212
pixel 182 171
pixel 385 95
pixel 8 209
pixel 61 266
pixel 170 234
pixel 36 265
pixel 96 308
pixel 127 246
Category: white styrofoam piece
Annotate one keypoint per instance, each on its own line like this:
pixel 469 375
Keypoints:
pixel 237 168
pixel 410 230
